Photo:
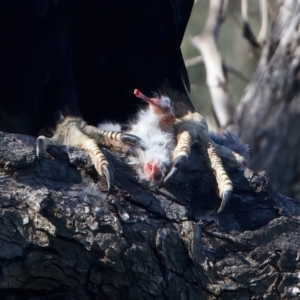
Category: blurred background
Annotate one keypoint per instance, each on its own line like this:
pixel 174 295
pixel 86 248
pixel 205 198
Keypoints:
pixel 267 119
pixel 236 52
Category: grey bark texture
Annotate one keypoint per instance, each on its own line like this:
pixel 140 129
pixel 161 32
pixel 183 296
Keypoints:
pixel 61 237
pixel 268 118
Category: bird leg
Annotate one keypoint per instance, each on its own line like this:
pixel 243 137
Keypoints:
pixel 193 128
pixel 189 129
pixel 73 131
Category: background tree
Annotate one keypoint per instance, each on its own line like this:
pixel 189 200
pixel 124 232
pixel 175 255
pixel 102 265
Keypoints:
pixel 267 118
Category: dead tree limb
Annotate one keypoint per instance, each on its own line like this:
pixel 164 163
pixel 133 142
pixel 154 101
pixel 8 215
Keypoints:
pixel 190 62
pixel 247 31
pixel 206 43
pixel 268 117
pixel 193 61
pixel 61 237
pixel 263 32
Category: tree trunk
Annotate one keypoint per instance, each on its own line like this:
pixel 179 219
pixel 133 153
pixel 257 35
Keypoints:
pixel 268 118
pixel 61 237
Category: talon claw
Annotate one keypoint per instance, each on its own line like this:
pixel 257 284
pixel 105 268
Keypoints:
pixel 177 162
pixel 109 175
pixel 170 175
pixel 225 200
pixel 133 141
pixel 39 147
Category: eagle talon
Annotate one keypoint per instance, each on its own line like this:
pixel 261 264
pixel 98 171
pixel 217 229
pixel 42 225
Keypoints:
pixel 225 200
pixel 179 160
pixel 39 147
pixel 132 140
pixel 42 144
pixel 109 176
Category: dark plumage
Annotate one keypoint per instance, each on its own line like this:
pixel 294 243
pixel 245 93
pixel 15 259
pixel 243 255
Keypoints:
pixel 84 58
pixel 231 141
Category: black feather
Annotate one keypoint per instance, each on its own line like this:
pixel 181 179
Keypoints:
pixel 231 141
pixel 85 57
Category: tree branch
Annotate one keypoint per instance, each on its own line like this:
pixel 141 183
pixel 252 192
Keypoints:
pixel 190 62
pixel 206 42
pixel 263 32
pixel 61 237
pixel 247 31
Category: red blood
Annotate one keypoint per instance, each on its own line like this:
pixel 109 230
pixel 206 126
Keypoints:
pixel 139 94
pixel 155 103
pixel 151 170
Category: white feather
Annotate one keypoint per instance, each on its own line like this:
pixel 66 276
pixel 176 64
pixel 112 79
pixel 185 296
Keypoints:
pixel 160 143
pixel 110 126
pixel 157 136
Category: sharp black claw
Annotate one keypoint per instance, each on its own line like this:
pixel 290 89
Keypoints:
pixel 176 164
pixel 225 199
pixel 39 147
pixel 132 140
pixel 171 174
pixel 109 175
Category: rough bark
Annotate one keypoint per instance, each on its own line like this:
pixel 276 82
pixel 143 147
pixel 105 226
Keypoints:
pixel 61 237
pixel 268 118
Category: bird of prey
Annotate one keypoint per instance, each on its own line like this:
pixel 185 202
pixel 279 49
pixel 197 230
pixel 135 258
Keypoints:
pixel 67 65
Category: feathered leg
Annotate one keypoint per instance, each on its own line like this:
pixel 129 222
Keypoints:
pixel 193 128
pixel 74 131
